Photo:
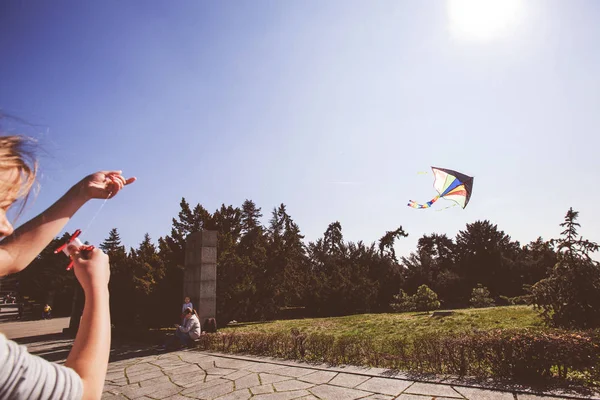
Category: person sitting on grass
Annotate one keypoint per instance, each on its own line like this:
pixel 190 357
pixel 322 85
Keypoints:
pixel 186 333
pixel 23 375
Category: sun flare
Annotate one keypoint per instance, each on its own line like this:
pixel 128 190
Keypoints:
pixel 483 19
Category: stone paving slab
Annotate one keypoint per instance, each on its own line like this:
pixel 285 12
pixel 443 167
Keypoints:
pixel 292 384
pixel 406 396
pixel 262 389
pixel 433 389
pixel 319 377
pixel 481 394
pixel 282 396
pixel 348 380
pixel 270 378
pixel 338 392
pixel 392 387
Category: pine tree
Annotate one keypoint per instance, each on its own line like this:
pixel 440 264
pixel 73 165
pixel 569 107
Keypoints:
pixel 284 282
pixel 148 270
pixel 252 253
pixel 570 296
pixel 116 252
pixel 426 299
pixel 112 244
pixel 403 302
pixel 486 255
pixel 333 238
pixel 250 216
pixel 480 297
pixel 121 283
pixel 228 224
pixel 386 243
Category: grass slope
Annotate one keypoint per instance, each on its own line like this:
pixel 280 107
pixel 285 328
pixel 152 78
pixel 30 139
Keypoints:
pixel 404 325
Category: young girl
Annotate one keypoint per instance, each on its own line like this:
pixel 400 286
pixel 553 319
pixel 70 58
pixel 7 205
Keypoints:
pixel 187 303
pixel 22 375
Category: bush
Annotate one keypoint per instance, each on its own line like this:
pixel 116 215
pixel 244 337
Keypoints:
pixel 424 300
pixel 480 297
pixel 403 302
pixel 521 355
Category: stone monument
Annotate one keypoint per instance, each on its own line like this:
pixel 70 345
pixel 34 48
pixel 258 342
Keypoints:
pixel 200 274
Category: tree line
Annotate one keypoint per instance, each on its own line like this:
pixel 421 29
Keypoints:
pixel 266 272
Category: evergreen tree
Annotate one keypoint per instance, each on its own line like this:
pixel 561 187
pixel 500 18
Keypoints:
pixel 228 224
pixel 386 243
pixel 403 302
pixel 121 285
pixel 486 255
pixel 570 296
pixel 334 239
pixel 251 216
pixel 426 299
pixel 148 270
pixel 480 297
pixel 285 278
pixel 252 253
pixel 168 292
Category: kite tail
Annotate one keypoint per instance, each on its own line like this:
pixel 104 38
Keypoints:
pixel 414 204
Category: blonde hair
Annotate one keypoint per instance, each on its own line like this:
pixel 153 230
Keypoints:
pixel 16 153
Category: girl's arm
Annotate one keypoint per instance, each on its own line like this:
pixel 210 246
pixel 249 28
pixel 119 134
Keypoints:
pixel 91 349
pixel 19 249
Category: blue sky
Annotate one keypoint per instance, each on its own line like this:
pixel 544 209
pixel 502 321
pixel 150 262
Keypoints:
pixel 331 107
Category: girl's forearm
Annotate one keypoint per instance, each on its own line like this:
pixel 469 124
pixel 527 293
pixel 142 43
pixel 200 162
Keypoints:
pixel 90 352
pixel 20 249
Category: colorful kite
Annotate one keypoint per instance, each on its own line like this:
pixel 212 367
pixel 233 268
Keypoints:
pixel 450 185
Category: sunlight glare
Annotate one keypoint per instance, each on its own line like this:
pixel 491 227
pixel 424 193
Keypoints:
pixel 483 19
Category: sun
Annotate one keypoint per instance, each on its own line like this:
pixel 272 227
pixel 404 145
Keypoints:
pixel 484 19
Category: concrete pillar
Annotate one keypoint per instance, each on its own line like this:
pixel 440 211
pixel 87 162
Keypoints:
pixel 200 274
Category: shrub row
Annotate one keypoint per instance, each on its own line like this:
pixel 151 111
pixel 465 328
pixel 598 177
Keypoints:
pixel 521 355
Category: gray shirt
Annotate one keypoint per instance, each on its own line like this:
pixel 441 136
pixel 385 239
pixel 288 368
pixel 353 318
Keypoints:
pixel 25 376
pixel 192 327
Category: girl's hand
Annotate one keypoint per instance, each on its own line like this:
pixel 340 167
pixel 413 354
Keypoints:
pixel 103 184
pixel 91 268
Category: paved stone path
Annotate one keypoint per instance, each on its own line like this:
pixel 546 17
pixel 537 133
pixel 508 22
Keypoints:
pixel 143 373
pixel 191 374
pixel 22 329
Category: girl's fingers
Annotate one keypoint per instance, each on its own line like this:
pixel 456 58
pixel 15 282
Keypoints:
pixel 119 185
pixel 73 251
pixel 115 184
pixel 111 172
pixel 118 178
pixel 115 179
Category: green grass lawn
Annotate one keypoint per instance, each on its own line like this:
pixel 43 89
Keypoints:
pixel 404 325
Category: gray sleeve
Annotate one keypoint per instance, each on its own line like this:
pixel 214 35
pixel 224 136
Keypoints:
pixel 25 376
